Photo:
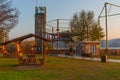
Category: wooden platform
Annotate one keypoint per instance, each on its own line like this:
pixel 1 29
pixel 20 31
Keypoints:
pixel 29 66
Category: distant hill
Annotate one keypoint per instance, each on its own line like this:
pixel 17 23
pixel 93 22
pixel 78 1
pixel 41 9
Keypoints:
pixel 111 43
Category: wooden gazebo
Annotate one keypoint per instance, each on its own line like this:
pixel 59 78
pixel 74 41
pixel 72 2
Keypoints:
pixel 18 40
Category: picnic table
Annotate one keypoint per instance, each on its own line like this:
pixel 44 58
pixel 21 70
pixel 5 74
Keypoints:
pixel 31 59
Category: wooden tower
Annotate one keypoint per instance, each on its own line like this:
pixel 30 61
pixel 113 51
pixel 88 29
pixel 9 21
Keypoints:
pixel 40 23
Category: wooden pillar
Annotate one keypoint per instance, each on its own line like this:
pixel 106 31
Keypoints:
pixel 19 51
pixel 98 48
pixel 44 50
pixel 4 49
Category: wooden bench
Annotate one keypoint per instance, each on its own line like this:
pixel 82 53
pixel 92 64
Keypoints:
pixel 9 55
pixel 41 61
pixel 22 60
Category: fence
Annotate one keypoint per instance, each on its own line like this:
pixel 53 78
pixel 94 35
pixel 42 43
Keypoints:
pixel 111 51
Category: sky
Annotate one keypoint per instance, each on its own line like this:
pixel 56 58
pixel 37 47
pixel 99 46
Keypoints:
pixel 61 9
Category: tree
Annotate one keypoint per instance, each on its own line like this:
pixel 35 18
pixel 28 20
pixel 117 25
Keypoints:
pixel 8 18
pixel 82 25
pixel 96 33
pixel 3 35
pixel 65 34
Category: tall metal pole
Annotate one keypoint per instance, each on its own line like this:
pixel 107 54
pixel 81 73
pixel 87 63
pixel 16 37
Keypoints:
pixel 106 26
pixel 52 37
pixel 57 33
pixel 99 26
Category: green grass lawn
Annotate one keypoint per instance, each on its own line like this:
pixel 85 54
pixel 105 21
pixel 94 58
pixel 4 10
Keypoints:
pixel 57 68
pixel 114 57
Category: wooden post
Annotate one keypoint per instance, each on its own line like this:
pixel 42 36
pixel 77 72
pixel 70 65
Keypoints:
pixel 44 53
pixel 44 50
pixel 4 50
pixel 19 52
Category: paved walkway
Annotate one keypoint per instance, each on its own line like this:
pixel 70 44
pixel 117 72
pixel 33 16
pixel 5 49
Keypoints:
pixel 89 58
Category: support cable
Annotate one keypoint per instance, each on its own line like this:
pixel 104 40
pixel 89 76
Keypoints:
pixel 113 4
pixel 51 21
pixel 102 11
pixel 109 9
pixel 109 15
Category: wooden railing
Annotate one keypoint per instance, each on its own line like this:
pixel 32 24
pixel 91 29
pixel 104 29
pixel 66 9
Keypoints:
pixel 111 51
pixel 60 51
pixel 66 51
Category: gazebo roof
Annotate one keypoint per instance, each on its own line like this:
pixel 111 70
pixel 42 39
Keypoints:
pixel 24 37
